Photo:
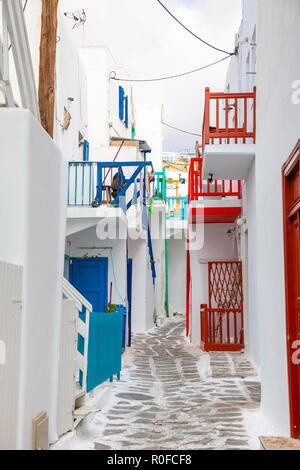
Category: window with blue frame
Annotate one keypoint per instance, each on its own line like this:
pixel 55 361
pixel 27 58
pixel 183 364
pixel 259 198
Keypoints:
pixel 123 106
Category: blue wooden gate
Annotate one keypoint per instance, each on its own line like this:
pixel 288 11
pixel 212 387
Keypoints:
pixel 90 277
pixel 105 348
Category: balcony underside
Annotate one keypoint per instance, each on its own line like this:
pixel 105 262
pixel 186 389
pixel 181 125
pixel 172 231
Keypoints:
pixel 214 212
pixel 82 218
pixel 228 161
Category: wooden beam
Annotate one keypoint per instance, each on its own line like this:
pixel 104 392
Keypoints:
pixel 47 64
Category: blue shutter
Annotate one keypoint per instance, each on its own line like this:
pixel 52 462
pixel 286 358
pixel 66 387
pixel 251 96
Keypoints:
pixel 86 151
pixel 121 103
pixel 126 111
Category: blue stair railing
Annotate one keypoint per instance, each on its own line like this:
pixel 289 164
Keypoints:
pixel 151 255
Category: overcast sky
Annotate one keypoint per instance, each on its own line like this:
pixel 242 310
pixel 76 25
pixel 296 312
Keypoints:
pixel 148 43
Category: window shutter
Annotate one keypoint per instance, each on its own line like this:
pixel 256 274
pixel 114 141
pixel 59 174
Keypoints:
pixel 121 103
pixel 126 111
pixel 86 151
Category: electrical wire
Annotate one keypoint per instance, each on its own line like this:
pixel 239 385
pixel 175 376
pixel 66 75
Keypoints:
pixel 114 77
pixel 180 130
pixel 193 34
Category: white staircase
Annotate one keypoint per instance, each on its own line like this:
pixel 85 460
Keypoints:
pixel 73 365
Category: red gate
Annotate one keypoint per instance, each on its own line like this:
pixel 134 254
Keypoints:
pixel 222 323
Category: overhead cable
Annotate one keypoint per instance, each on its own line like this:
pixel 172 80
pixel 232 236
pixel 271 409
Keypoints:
pixel 114 77
pixel 193 34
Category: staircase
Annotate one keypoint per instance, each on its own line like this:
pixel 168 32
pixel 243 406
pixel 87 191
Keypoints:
pixel 82 310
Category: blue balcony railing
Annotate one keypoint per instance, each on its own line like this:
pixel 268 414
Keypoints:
pixel 177 207
pixel 96 183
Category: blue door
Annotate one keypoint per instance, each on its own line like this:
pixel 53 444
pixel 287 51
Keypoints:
pixel 89 277
pixel 129 297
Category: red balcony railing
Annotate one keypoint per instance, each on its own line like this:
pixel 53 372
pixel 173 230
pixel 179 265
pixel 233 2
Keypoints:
pixel 229 118
pixel 199 188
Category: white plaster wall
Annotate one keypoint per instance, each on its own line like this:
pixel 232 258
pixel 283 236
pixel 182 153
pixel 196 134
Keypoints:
pixel 103 97
pixel 277 133
pixel 148 127
pixel 218 246
pixel 143 299
pixel 33 208
pixel 177 275
pixel 157 223
pixel 70 92
pixel 241 75
pixel 86 243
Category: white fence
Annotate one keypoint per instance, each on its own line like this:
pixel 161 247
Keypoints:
pixel 10 338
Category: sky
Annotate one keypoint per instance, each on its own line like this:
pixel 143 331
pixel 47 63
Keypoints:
pixel 148 43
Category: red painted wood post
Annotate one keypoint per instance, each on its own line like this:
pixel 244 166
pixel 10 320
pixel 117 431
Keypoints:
pixel 254 115
pixel 188 283
pixel 204 330
pixel 206 118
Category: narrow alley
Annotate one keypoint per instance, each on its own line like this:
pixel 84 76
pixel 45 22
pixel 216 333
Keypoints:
pixel 173 396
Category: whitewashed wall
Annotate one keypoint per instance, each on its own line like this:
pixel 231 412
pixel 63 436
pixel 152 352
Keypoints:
pixel 103 98
pixel 33 195
pixel 277 133
pixel 241 76
pixel 218 246
pixel 86 243
pixel 149 128
pixel 177 275
pixel 70 92
pixel 11 304
pixel 262 236
pixel 143 298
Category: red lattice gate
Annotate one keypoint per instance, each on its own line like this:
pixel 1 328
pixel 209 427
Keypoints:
pixel 222 323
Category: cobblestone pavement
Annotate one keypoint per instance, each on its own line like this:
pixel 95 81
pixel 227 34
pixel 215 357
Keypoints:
pixel 173 396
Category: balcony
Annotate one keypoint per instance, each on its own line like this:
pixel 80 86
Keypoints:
pixel 217 201
pixel 99 190
pixel 229 135
pixel 177 208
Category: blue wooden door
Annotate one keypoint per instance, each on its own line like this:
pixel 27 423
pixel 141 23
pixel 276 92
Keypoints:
pixel 89 277
pixel 129 297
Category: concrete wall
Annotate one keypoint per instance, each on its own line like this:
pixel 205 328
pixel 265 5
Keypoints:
pixel 33 203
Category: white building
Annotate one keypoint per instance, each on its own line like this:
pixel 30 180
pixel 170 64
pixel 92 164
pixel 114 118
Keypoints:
pixel 264 235
pixel 101 148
